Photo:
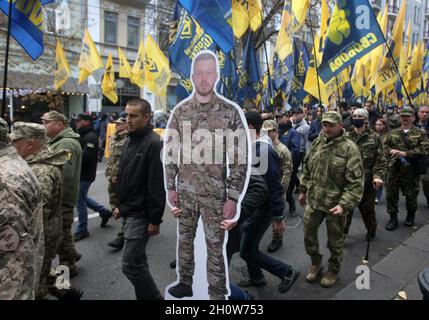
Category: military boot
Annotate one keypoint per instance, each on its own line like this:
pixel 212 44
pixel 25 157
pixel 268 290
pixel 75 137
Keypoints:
pixel 329 279
pixel 393 222
pixel 409 221
pixel 181 290
pixel 313 273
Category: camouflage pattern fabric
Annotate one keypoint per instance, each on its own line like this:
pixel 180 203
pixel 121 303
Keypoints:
pixel 47 166
pixel 66 249
pixel 112 168
pixel 21 227
pixel 402 176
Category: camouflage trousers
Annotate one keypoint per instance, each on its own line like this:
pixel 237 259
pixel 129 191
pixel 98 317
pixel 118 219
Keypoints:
pixel 211 211
pixel 53 236
pixel 335 226
pixel 366 208
pixel 407 180
pixel 278 235
pixel 66 249
pixel 113 197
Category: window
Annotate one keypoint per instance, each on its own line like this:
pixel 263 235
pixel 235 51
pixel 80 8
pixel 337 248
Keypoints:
pixel 110 27
pixel 133 32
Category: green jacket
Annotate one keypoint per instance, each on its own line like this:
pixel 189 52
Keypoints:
pixel 418 145
pixel 372 153
pixel 69 140
pixel 333 174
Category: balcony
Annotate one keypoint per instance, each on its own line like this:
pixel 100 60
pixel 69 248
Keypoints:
pixel 393 10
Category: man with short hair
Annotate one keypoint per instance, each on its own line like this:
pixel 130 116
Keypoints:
pixel 374 164
pixel 21 224
pixel 89 144
pixel 403 146
pixel 205 189
pixel 61 137
pixel 331 186
pixel 141 195
pixel 271 128
pixel 30 142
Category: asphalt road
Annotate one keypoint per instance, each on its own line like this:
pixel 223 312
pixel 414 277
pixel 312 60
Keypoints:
pixel 101 278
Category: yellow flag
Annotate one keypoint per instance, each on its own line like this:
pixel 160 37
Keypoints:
pixel 376 55
pixel 310 84
pixel 124 66
pixel 138 71
pixel 157 69
pixel 387 73
pixel 255 14
pixel 240 19
pixel 108 86
pixel 62 72
pixel 293 17
pixel 406 57
pixel 90 59
pixel 415 70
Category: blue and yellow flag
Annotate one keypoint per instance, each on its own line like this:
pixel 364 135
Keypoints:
pixel 302 61
pixel 352 33
pixel 250 82
pixel 183 89
pixel 187 39
pixel 215 17
pixel 27 24
pixel 228 84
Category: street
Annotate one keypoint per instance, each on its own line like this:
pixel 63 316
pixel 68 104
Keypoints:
pixel 101 278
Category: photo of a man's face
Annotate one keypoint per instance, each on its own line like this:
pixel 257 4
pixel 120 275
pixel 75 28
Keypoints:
pixel 205 75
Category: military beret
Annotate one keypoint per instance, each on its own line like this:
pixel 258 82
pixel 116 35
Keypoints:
pixel 84 116
pixel 332 117
pixel 406 111
pixel 4 130
pixel 27 130
pixel 55 116
pixel 361 112
pixel 270 125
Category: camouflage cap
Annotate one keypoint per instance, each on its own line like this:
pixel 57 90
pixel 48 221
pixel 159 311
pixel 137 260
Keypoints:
pixel 270 125
pixel 55 116
pixel 332 117
pixel 27 130
pixel 406 111
pixel 4 130
pixel 361 112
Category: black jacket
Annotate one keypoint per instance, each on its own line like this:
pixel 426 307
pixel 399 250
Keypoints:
pixel 89 143
pixel 141 178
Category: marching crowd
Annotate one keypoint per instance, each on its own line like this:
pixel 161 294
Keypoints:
pixel 335 161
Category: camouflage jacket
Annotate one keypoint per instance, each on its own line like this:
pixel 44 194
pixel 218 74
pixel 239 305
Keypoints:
pixel 333 174
pixel 372 153
pixel 116 144
pixel 286 163
pixel 206 175
pixel 418 145
pixel 47 166
pixel 21 227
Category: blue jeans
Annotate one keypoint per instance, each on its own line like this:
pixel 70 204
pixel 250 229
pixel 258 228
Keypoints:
pixel 85 202
pixel 252 231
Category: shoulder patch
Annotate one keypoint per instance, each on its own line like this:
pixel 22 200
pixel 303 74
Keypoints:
pixel 9 239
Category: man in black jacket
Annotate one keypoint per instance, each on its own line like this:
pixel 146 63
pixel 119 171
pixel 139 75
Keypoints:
pixel 89 144
pixel 141 196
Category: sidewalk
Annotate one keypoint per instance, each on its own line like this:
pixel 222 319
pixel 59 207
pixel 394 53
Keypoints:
pixel 396 272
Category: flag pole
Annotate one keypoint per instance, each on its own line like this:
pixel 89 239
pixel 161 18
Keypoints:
pixel 315 57
pixel 6 60
pixel 266 57
pixel 338 88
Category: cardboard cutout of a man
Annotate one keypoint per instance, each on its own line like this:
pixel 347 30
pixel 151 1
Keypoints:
pixel 206 148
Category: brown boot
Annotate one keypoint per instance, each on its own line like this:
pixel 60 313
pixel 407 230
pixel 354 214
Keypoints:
pixel 329 279
pixel 313 273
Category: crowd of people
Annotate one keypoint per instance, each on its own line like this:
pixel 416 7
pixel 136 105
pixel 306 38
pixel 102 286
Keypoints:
pixel 333 161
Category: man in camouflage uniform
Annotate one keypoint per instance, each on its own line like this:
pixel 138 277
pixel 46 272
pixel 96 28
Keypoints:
pixel 30 142
pixel 374 165
pixel 204 189
pixel 112 170
pixel 331 186
pixel 403 145
pixel 21 224
pixel 272 127
pixel 61 137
